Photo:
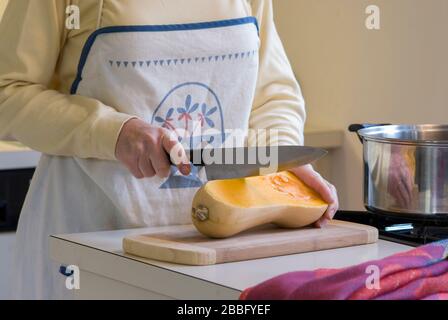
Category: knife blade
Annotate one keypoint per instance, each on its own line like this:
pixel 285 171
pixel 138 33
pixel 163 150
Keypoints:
pixel 239 162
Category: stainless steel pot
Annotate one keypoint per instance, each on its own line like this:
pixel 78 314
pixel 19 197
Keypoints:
pixel 405 168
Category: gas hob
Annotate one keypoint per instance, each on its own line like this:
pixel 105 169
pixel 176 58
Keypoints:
pixel 413 231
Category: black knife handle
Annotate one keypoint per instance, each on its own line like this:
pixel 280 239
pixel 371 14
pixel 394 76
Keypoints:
pixel 195 156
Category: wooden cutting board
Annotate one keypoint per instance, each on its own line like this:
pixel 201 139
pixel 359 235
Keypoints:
pixel 185 245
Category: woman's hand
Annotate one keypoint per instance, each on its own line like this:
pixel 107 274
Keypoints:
pixel 144 150
pixel 326 190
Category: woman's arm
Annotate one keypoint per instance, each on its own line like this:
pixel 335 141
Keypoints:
pixel 31 38
pixel 278 102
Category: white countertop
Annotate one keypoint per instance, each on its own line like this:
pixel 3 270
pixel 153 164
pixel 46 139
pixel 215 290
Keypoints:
pixel 101 252
pixel 324 138
pixel 14 155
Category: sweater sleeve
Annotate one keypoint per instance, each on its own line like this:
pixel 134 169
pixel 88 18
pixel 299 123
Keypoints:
pixel 31 38
pixel 278 102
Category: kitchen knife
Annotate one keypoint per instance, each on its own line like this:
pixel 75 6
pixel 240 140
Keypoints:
pixel 228 163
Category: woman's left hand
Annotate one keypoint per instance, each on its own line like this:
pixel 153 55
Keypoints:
pixel 326 190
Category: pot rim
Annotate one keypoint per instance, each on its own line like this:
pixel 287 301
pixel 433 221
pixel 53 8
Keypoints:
pixel 379 134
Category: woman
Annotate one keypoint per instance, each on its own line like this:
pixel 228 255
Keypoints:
pixel 101 101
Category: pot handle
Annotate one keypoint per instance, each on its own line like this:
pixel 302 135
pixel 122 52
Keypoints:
pixel 358 126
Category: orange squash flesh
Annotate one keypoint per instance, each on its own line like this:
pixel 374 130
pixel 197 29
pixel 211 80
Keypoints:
pixel 223 208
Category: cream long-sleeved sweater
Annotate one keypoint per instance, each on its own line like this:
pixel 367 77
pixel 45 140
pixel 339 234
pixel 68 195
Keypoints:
pixel 39 58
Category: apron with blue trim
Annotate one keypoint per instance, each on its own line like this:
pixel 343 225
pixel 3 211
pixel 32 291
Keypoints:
pixel 197 80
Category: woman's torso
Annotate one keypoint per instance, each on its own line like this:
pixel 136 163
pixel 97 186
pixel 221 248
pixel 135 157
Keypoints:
pixel 208 70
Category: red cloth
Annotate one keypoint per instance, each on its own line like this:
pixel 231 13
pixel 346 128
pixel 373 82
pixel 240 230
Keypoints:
pixel 421 273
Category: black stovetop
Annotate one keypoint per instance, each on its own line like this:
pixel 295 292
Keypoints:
pixel 413 231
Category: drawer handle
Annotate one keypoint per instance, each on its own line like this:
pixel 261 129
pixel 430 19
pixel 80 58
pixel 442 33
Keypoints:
pixel 64 272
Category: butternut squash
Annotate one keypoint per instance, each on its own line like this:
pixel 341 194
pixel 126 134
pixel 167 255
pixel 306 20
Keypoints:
pixel 223 208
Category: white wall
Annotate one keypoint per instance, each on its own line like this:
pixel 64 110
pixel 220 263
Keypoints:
pixel 350 74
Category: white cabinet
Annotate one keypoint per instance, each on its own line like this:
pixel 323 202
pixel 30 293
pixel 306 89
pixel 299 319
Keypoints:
pixel 107 273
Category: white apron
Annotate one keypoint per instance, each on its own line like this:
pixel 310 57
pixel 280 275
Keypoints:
pixel 195 79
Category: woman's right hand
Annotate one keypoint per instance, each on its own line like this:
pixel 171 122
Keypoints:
pixel 145 149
